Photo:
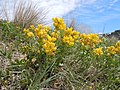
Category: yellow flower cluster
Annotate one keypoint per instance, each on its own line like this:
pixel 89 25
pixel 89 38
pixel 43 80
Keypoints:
pixel 28 33
pixel 59 23
pixel 70 36
pixel 48 41
pixel 98 51
pixel 89 39
pixel 47 37
pixel 118 47
pixel 49 47
pixel 55 34
pixel 68 39
pixel 41 31
pixel 26 30
pixel 32 27
pixel 114 49
pixel 76 35
pixel 111 50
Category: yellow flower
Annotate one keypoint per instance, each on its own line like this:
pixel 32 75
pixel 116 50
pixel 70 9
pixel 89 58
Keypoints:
pixel 17 27
pixel 69 40
pixel 32 27
pixel 71 43
pixel 75 35
pixel 49 48
pixel 98 51
pixel 55 34
pixel 5 82
pixel 41 31
pixel 111 50
pixel 51 39
pixel 118 50
pixel 30 34
pixel 26 30
pixel 40 26
pixel 77 41
pixel 59 23
pixel 117 44
pixel 90 87
pixel 69 31
pixel 47 28
pixel 36 30
pixel 38 51
pixel 41 34
pixel 89 40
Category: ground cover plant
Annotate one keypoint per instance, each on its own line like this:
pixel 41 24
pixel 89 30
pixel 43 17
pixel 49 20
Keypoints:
pixel 59 58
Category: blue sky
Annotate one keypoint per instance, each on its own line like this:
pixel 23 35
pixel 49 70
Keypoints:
pixel 101 15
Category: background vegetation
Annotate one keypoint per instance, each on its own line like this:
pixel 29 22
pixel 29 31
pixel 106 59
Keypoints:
pixel 35 56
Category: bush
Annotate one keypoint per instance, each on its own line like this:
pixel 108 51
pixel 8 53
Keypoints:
pixel 23 13
pixel 62 58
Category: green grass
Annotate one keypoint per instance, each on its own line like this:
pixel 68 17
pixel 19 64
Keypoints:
pixel 75 67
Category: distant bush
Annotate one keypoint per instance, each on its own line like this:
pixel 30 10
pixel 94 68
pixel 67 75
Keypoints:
pixel 22 13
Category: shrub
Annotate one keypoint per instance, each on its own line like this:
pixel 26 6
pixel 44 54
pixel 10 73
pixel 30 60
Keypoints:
pixel 63 58
pixel 23 13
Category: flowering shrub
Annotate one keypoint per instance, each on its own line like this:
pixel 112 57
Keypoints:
pixel 98 51
pixel 50 40
pixel 63 58
pixel 89 40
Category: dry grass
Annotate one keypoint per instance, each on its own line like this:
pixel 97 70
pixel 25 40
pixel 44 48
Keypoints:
pixel 23 13
pixel 72 24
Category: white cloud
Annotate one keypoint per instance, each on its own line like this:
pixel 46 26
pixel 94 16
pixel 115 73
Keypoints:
pixel 105 18
pixel 112 3
pixel 59 8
